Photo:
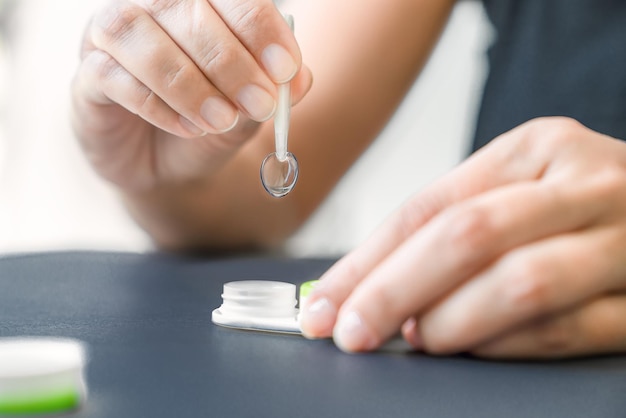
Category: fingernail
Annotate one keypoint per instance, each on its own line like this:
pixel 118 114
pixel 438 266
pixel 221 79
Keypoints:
pixel 219 114
pixel 317 318
pixel 190 127
pixel 259 104
pixel 279 63
pixel 352 334
pixel 411 333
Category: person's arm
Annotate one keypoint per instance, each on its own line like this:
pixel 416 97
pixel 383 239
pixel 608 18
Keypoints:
pixel 364 55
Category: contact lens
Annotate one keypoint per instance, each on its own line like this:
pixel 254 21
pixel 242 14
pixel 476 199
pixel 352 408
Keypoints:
pixel 278 175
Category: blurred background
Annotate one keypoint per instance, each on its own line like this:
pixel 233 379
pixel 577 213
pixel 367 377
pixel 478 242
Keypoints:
pixel 50 200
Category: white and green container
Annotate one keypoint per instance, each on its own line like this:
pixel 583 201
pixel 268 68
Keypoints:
pixel 41 376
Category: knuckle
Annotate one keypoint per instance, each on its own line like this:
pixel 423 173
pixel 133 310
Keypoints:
pixel 554 132
pixel 410 217
pixel 148 103
pixel 468 228
pixel 545 134
pixel 245 16
pixel 561 131
pixel 113 24
pixel 179 77
pixel 157 7
pixel 219 57
pixel 101 65
pixel 525 287
pixel 342 277
pixel 348 267
pixel 554 124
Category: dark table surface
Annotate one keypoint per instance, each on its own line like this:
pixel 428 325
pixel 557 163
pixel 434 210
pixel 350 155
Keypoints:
pixel 154 352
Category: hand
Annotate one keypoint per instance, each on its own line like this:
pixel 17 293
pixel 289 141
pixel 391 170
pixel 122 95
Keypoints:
pixel 518 252
pixel 167 90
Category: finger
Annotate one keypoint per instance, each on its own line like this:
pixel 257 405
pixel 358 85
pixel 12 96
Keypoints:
pixel 318 314
pixel 202 34
pixel 262 29
pixel 451 248
pixel 301 81
pixel 530 282
pixel 301 84
pixel 138 43
pixel 504 161
pixel 115 85
pixel 597 327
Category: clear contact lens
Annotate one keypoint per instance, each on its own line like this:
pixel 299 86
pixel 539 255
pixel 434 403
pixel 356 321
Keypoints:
pixel 279 176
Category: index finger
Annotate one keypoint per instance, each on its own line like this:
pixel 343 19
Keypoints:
pixel 262 29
